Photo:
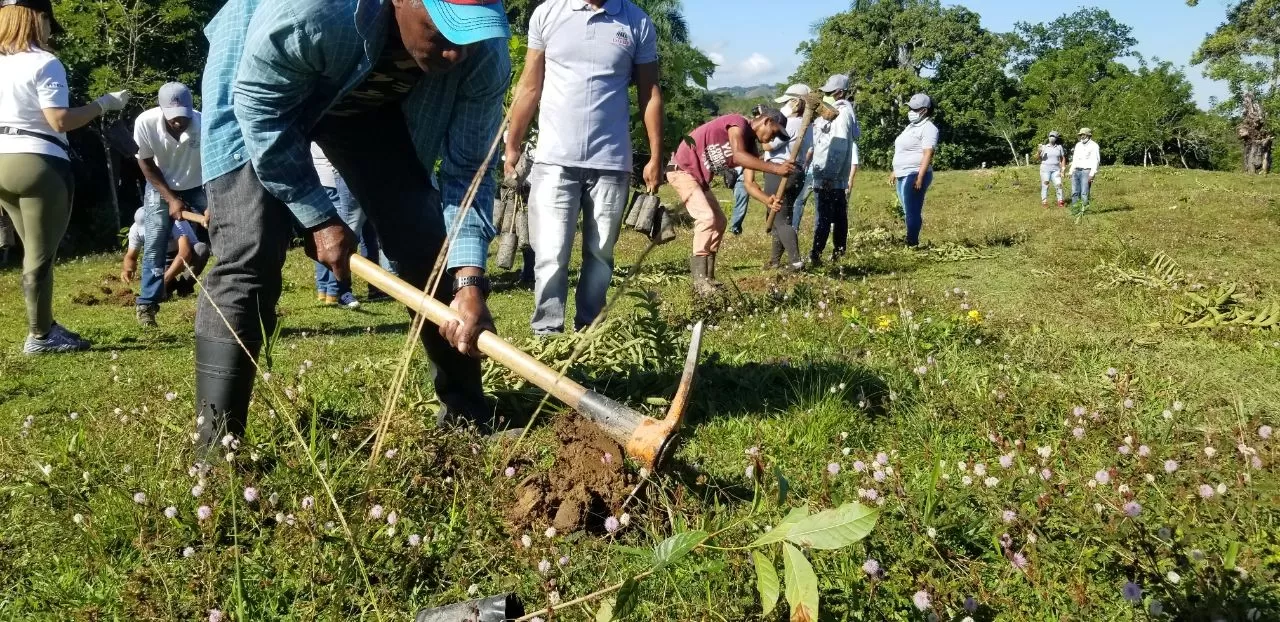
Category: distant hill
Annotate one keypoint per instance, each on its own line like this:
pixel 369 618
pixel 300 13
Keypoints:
pixel 747 92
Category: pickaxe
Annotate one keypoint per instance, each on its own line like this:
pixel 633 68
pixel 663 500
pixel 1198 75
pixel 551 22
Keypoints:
pixel 812 104
pixel 645 439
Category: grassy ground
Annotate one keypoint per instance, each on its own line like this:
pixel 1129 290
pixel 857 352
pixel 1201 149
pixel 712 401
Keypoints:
pixel 1018 477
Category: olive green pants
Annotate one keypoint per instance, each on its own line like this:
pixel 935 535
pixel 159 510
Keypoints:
pixel 36 191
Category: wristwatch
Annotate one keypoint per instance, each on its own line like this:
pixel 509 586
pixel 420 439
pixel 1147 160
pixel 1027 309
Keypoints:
pixel 471 281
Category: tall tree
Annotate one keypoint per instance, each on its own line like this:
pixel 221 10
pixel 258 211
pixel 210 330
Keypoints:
pixel 1146 115
pixel 134 44
pixel 1089 28
pixel 1245 52
pixel 893 48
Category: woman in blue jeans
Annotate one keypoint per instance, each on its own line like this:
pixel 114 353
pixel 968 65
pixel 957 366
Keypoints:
pixel 912 159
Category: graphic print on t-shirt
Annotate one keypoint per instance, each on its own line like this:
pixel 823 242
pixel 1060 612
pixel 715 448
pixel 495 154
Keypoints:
pixel 389 82
pixel 716 158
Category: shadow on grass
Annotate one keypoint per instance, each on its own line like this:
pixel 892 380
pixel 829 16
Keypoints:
pixel 1107 208
pixel 722 390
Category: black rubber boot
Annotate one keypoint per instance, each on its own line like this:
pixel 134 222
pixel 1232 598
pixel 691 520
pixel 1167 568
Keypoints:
pixel 698 273
pixel 224 384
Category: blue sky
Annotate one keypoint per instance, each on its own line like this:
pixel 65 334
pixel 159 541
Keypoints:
pixel 754 47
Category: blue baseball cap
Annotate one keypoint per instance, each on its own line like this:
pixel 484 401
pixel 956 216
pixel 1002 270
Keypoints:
pixel 463 22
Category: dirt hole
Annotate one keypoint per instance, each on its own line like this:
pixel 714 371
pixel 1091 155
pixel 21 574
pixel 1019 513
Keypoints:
pixel 586 484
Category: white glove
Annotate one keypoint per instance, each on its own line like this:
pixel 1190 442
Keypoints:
pixel 113 101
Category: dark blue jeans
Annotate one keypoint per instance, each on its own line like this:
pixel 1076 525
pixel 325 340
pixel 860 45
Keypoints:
pixel 740 202
pixel 797 209
pixel 1081 179
pixel 156 227
pixel 833 220
pixel 913 203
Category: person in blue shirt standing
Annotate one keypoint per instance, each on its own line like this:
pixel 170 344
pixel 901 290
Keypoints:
pixel 389 89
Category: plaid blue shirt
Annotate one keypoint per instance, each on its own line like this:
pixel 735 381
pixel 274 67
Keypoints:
pixel 276 66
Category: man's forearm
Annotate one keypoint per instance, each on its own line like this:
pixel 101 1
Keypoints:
pixel 177 267
pixel 754 190
pixel 652 104
pixel 155 177
pixel 524 104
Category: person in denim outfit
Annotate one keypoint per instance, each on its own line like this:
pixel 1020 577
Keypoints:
pixel 168 138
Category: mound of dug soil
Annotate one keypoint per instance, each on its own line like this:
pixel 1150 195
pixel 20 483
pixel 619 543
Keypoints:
pixel 106 294
pixel 586 485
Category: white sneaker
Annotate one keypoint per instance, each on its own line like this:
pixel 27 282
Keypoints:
pixel 58 340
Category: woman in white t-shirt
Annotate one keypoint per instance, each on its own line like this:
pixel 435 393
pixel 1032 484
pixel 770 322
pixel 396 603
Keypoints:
pixel 36 185
pixel 913 163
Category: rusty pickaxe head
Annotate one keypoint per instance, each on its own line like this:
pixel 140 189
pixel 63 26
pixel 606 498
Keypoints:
pixel 646 440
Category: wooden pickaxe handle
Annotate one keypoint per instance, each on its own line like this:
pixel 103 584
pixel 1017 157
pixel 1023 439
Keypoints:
pixel 199 219
pixel 645 439
pixel 810 110
pixel 489 343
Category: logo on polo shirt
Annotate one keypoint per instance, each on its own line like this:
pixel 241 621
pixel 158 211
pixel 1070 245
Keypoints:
pixel 622 39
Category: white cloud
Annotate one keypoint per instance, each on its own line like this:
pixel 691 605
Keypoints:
pixel 732 69
pixel 755 66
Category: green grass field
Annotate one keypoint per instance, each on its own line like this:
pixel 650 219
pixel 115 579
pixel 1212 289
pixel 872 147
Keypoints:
pixel 961 391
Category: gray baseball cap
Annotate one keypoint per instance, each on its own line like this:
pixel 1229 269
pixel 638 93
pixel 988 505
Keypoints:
pixel 175 101
pixel 838 82
pixel 919 101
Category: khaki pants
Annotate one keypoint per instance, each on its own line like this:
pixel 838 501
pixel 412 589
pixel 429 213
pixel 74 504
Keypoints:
pixel 708 219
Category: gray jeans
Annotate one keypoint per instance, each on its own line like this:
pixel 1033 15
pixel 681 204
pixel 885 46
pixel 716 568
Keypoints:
pixel 251 229
pixel 558 197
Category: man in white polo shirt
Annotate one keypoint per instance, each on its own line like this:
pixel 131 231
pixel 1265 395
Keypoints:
pixel 168 138
pixel 583 56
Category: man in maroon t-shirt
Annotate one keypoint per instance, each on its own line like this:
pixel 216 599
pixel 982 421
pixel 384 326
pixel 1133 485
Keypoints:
pixel 721 144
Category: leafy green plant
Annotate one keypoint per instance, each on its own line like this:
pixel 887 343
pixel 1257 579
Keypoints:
pixel 1161 272
pixel 827 530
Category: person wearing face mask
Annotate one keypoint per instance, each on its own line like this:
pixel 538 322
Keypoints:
pixel 36 184
pixel 718 145
pixel 912 163
pixel 833 154
pixel 785 238
pixel 391 90
pixel 1051 157
pixel 1085 159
